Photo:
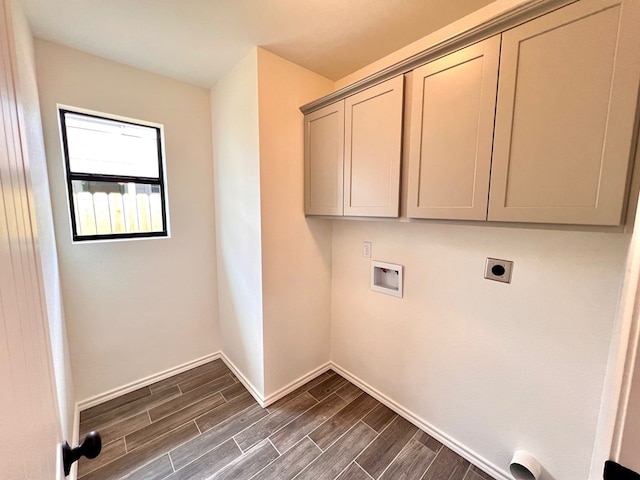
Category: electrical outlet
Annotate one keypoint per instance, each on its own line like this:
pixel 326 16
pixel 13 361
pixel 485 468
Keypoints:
pixel 366 249
pixel 498 270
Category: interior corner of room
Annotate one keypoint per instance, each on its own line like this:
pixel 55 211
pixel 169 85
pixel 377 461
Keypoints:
pixel 265 265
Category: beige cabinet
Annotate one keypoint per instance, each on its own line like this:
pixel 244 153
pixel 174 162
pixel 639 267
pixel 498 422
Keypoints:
pixel 565 115
pixel 373 148
pixel 353 152
pixel 535 125
pixel 324 160
pixel 452 114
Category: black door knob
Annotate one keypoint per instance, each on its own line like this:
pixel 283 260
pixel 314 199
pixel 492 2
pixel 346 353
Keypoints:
pixel 90 448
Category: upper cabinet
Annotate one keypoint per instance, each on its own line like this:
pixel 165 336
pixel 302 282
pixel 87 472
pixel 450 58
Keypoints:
pixel 353 152
pixel 452 113
pixel 534 124
pixel 324 160
pixel 565 116
pixel 373 149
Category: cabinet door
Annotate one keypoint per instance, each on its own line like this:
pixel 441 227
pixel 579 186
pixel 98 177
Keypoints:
pixel 452 114
pixel 373 145
pixel 324 160
pixel 565 115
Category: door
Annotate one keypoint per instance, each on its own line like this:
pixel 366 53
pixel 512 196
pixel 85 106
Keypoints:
pixel 453 107
pixel 567 100
pixel 30 439
pixel 324 160
pixel 373 149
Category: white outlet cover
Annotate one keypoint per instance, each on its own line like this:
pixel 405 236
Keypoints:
pixel 498 270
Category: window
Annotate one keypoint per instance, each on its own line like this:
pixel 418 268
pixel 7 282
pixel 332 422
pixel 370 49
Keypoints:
pixel 115 177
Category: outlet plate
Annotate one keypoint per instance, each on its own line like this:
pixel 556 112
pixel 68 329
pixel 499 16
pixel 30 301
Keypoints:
pixel 366 249
pixel 498 270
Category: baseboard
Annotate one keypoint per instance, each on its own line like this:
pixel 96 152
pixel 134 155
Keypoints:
pixel 144 382
pixel 244 380
pixel 284 391
pixel 439 435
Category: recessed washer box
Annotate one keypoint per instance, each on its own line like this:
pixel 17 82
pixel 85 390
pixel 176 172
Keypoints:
pixel 386 278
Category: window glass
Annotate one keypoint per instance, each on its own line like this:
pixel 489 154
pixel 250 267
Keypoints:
pixel 108 147
pixel 114 177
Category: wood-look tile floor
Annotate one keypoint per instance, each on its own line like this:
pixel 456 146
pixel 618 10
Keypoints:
pixel 203 424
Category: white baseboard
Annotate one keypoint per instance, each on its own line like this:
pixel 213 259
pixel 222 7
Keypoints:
pixel 144 382
pixel 439 435
pixel 284 391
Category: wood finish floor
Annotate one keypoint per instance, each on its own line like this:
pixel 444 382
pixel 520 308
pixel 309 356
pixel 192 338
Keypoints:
pixel 203 424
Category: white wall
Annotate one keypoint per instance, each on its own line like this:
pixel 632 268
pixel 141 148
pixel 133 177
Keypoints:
pixel 296 251
pixel 236 153
pixel 135 308
pixel 495 367
pixel 30 112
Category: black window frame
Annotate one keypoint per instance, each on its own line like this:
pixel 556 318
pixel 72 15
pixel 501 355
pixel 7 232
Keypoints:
pixel 70 177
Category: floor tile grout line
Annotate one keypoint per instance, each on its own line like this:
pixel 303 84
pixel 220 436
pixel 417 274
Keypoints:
pixel 342 471
pixel 160 436
pixel 356 456
pixel 431 464
pixel 354 399
pixel 329 418
pixel 210 380
pixel 325 421
pixel 230 375
pixel 393 419
pixel 127 452
pixel 368 444
pixel 171 462
pixel 181 425
pixel 401 450
pixel 190 405
pixel 363 470
pixel 113 408
pixel 318 446
pixel 119 419
pixel 302 392
pixel 293 419
pixel 232 416
pixel 360 419
pixel 291 400
pixel 274 446
pixel 267 465
pixel 242 452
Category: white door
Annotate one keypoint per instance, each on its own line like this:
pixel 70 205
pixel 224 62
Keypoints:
pixel 29 424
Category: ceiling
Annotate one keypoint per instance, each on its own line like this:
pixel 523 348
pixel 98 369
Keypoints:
pixel 198 41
